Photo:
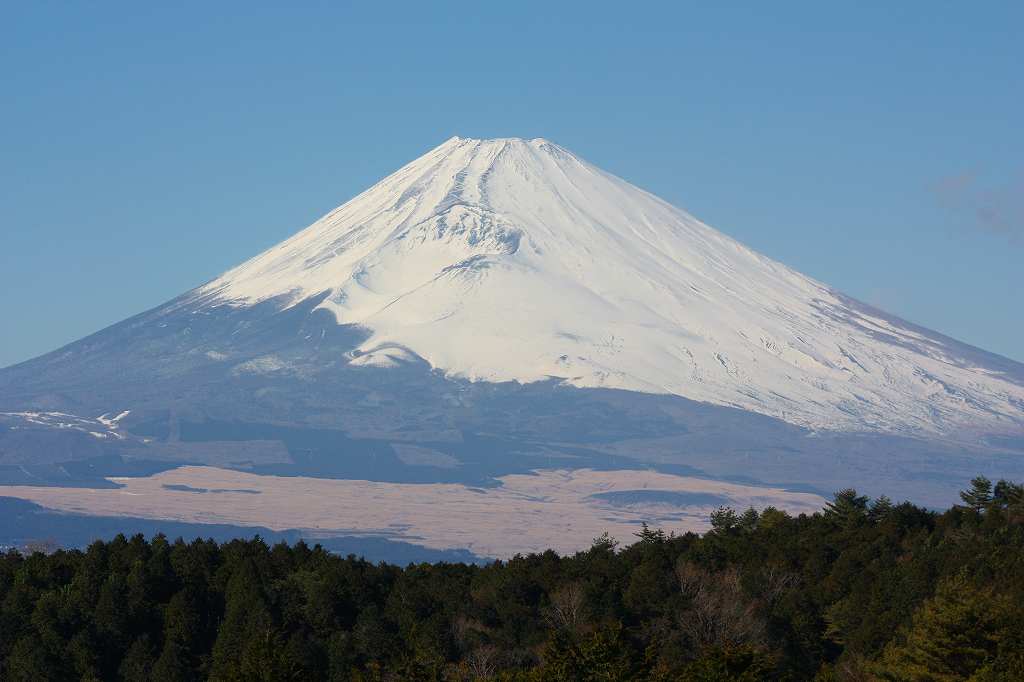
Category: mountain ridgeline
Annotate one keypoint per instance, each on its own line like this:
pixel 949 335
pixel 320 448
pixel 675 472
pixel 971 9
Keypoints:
pixel 508 292
pixel 864 590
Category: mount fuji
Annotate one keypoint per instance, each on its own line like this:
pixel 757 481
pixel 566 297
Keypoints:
pixel 502 306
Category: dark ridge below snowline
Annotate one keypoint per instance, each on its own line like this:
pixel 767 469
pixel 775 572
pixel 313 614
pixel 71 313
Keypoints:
pixel 331 453
pixel 83 473
pixel 23 523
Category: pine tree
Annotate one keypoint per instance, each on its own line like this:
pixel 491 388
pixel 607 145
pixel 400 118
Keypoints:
pixel 173 665
pixel 980 494
pixel 772 517
pixel 181 627
pixel 952 635
pixel 1008 494
pixel 246 640
pixel 880 509
pixel 748 520
pixel 847 508
pixel 603 655
pixel 724 519
pixel 650 536
pixel 137 663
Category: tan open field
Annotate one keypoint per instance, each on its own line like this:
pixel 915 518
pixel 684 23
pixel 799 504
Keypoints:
pixel 525 513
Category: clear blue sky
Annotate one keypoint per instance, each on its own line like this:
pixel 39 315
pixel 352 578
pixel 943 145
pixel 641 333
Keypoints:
pixel 146 147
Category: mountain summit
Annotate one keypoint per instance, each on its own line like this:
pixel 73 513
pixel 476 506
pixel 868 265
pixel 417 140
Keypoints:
pixel 513 259
pixel 502 306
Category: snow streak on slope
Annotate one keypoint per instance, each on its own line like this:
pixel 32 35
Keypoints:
pixel 514 259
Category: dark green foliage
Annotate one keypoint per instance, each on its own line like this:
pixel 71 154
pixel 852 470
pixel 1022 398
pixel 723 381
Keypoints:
pixel 848 508
pixel 724 520
pixel 601 655
pixel 953 634
pixel 864 590
pixel 1008 494
pixel 979 495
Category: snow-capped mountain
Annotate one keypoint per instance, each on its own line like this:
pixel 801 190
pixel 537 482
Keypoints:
pixel 512 259
pixel 501 306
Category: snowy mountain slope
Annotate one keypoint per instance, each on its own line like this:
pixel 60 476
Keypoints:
pixel 512 259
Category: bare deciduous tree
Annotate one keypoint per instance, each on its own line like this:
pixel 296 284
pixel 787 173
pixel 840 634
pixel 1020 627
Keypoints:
pixel 483 662
pixel 722 615
pixel 567 607
pixel 777 579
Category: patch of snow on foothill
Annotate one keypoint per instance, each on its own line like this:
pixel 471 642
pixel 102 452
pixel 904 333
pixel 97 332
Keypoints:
pixel 111 422
pixel 262 365
pixel 514 259
pixel 65 421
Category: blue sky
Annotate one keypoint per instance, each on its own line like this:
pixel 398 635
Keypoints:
pixel 144 149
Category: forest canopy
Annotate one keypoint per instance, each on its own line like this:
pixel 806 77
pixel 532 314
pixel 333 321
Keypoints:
pixel 863 590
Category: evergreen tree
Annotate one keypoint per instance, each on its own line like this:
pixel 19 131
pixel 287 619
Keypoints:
pixel 173 665
pixel 880 509
pixel 847 508
pixel 182 624
pixel 724 519
pixel 603 656
pixel 772 517
pixel 651 536
pixel 247 645
pixel 979 496
pixel 742 664
pixel 748 520
pixel 137 665
pixel 952 635
pixel 1008 494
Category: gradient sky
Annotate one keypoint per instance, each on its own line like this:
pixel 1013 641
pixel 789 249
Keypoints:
pixel 877 147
